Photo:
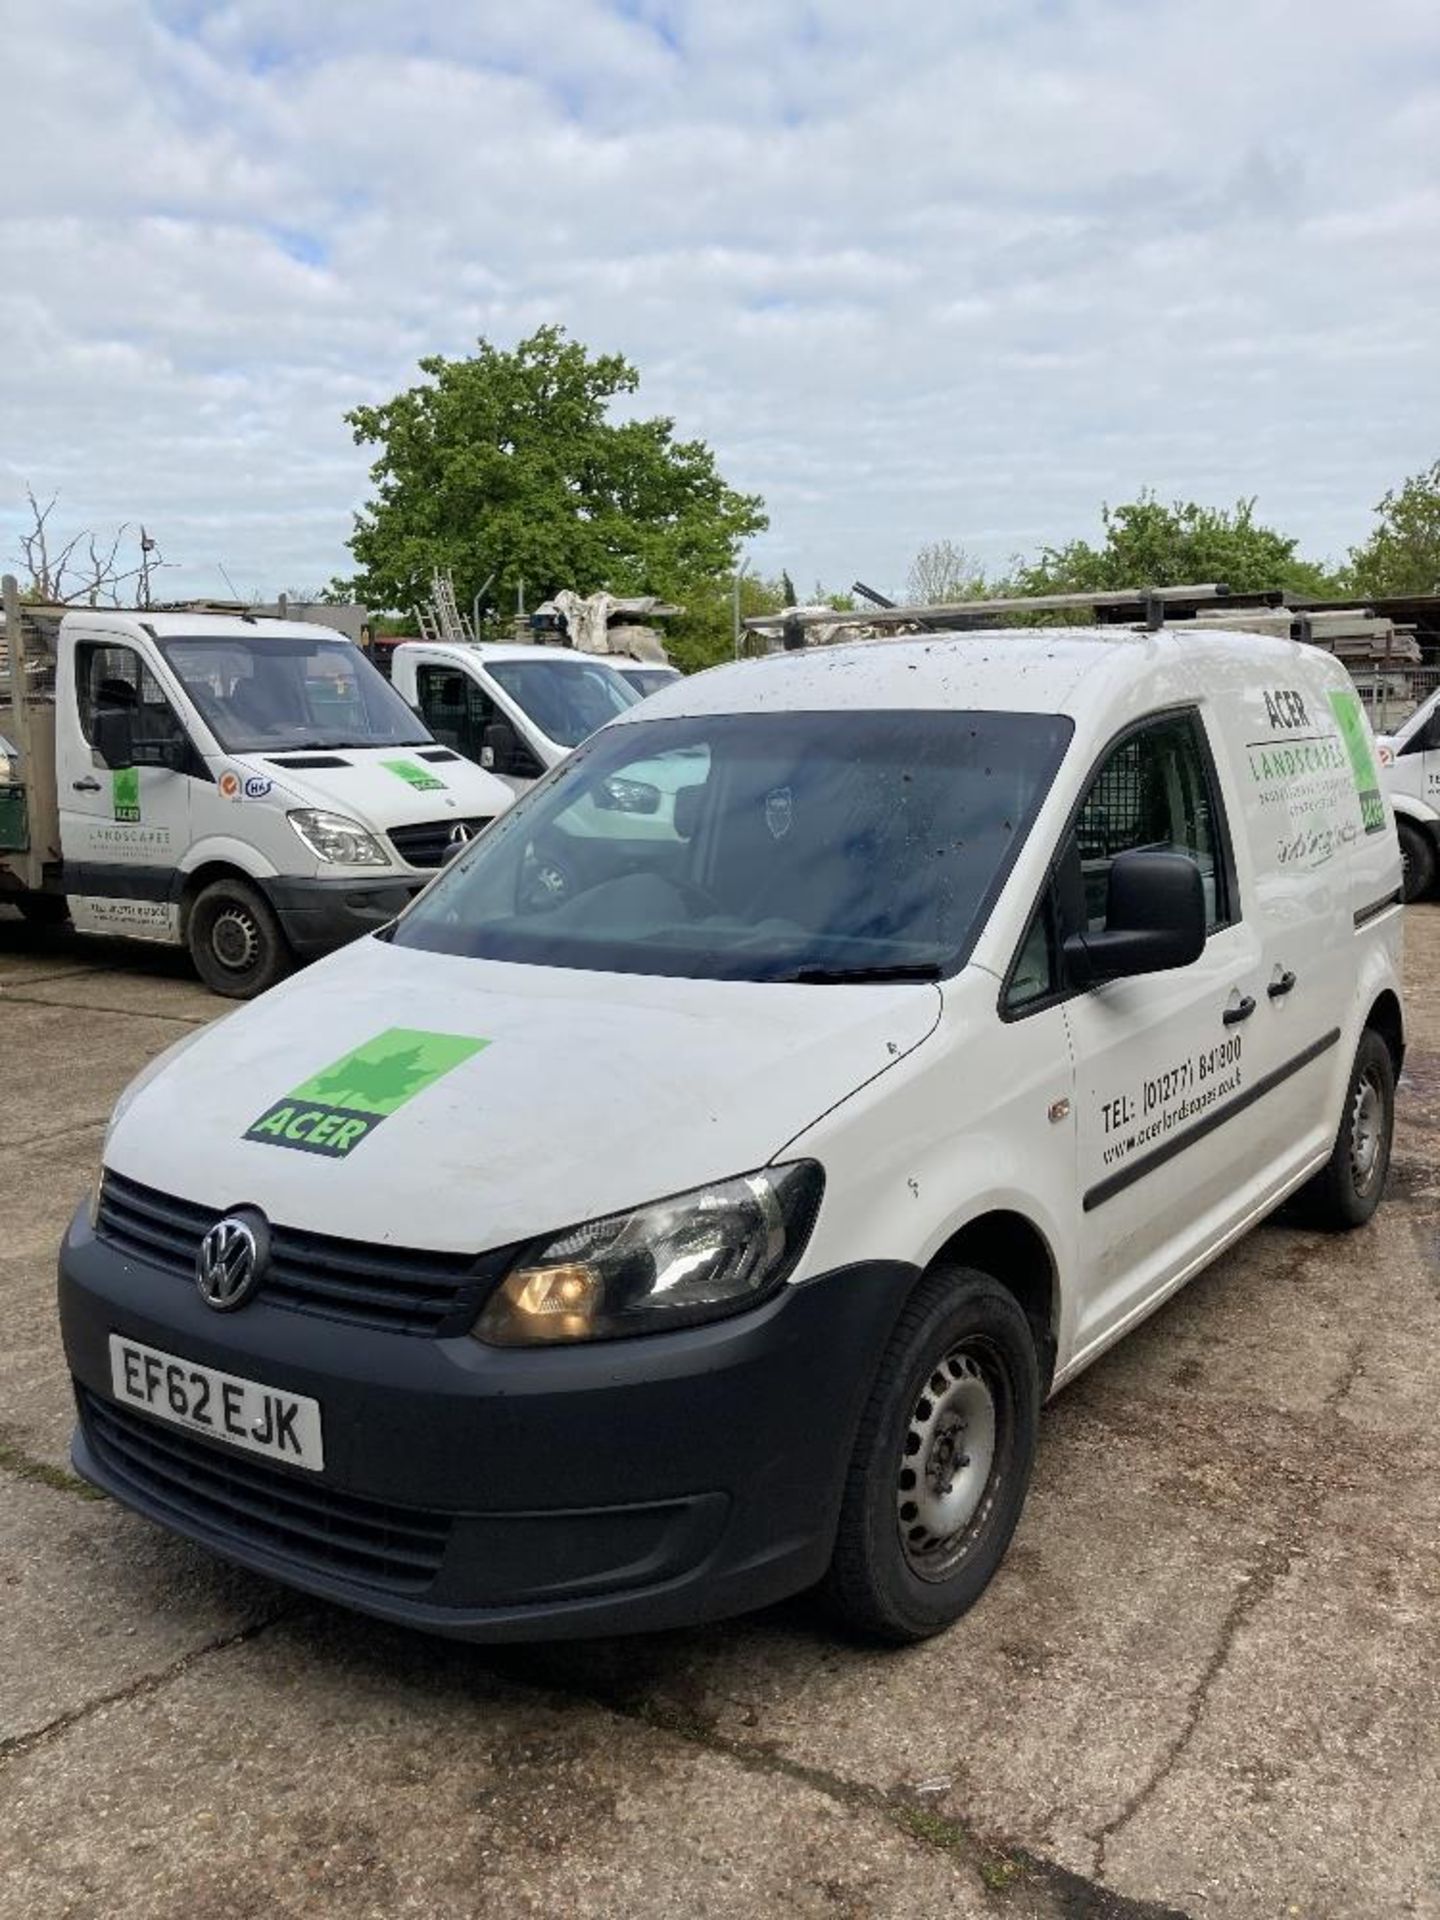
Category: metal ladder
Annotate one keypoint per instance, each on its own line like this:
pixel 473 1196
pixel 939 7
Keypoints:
pixel 439 618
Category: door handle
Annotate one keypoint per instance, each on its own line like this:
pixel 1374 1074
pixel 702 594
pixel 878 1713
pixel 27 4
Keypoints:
pixel 1278 989
pixel 86 786
pixel 1242 1010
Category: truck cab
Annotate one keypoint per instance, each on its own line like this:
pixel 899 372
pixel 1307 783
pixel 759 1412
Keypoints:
pixel 247 787
pixel 1410 771
pixel 515 710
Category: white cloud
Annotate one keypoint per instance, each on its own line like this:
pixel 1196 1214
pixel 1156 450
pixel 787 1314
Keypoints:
pixel 914 271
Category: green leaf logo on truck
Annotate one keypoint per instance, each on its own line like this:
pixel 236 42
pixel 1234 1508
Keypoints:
pixel 1353 731
pixel 125 794
pixel 337 1108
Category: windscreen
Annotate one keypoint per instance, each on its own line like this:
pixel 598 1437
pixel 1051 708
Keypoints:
pixel 755 847
pixel 647 680
pixel 269 694
pixel 566 698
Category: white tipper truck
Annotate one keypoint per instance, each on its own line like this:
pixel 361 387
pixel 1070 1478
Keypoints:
pixel 248 788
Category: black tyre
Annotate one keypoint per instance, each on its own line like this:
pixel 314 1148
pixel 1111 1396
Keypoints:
pixel 235 940
pixel 942 1460
pixel 1417 860
pixel 44 909
pixel 1352 1184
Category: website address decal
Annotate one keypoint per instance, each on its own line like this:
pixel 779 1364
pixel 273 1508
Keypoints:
pixel 1171 1118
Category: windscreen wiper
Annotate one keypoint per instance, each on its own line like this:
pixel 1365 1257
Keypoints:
pixel 846 976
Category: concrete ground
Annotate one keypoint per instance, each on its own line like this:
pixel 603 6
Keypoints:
pixel 1206 1682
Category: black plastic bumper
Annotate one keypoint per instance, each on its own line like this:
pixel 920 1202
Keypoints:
pixel 316 916
pixel 628 1485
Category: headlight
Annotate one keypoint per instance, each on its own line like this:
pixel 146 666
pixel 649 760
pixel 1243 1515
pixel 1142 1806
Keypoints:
pixel 699 1256
pixel 339 841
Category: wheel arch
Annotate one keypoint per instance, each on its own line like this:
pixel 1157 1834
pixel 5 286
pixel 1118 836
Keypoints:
pixel 194 883
pixel 1387 1018
pixel 1009 1247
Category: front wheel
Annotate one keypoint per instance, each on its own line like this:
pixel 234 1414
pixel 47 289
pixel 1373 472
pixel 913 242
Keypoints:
pixel 942 1460
pixel 235 940
pixel 1417 861
pixel 1351 1185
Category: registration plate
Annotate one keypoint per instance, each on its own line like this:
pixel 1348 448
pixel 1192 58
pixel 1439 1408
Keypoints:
pixel 282 1426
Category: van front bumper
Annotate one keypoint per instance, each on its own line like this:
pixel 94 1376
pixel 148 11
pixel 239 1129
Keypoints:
pixel 316 916
pixel 500 1495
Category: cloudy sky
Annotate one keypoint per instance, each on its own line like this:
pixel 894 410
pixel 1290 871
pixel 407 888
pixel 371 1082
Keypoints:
pixel 917 270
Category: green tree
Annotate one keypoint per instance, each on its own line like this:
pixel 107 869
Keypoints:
pixel 510 461
pixel 1150 544
pixel 1402 555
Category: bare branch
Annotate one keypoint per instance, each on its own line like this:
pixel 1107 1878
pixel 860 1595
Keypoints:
pixel 59 579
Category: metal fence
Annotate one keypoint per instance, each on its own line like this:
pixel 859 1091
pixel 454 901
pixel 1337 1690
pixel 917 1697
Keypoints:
pixel 1391 695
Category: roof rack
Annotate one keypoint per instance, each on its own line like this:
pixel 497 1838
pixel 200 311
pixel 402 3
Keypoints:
pixel 1147 605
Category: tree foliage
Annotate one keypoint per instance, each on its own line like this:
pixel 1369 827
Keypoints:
pixel 509 462
pixel 1150 544
pixel 942 571
pixel 1402 555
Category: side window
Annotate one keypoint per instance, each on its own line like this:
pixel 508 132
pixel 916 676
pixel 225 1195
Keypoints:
pixel 1154 791
pixel 1036 973
pixel 444 705
pixel 107 676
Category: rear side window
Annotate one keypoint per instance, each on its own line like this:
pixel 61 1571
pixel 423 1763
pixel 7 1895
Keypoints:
pixel 1153 791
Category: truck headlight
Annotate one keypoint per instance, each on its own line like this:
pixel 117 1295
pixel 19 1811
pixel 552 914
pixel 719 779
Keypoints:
pixel 700 1256
pixel 339 841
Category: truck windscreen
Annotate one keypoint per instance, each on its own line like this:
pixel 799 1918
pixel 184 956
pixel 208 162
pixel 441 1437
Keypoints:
pixel 566 698
pixel 813 847
pixel 271 694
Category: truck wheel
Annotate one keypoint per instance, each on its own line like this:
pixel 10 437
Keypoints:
pixel 941 1463
pixel 1417 861
pixel 44 909
pixel 235 940
pixel 1350 1186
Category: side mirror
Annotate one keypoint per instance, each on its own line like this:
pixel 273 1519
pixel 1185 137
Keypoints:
pixel 618 795
pixel 1154 920
pixel 498 747
pixel 173 755
pixel 114 736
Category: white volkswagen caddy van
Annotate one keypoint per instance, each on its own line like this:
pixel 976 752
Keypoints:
pixel 716 1229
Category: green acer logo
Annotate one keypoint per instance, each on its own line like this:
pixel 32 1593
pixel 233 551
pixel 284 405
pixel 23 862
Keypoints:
pixel 413 775
pixel 125 793
pixel 337 1108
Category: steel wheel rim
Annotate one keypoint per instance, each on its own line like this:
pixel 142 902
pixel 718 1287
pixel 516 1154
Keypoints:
pixel 1367 1116
pixel 235 939
pixel 947 1463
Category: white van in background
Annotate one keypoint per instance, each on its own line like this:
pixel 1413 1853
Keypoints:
pixel 517 711
pixel 1410 773
pixel 248 788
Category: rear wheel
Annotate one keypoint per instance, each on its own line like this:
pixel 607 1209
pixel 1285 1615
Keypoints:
pixel 235 940
pixel 1350 1187
pixel 942 1460
pixel 44 909
pixel 1417 860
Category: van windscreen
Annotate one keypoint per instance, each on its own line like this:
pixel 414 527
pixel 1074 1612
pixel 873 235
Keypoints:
pixel 271 693
pixel 757 846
